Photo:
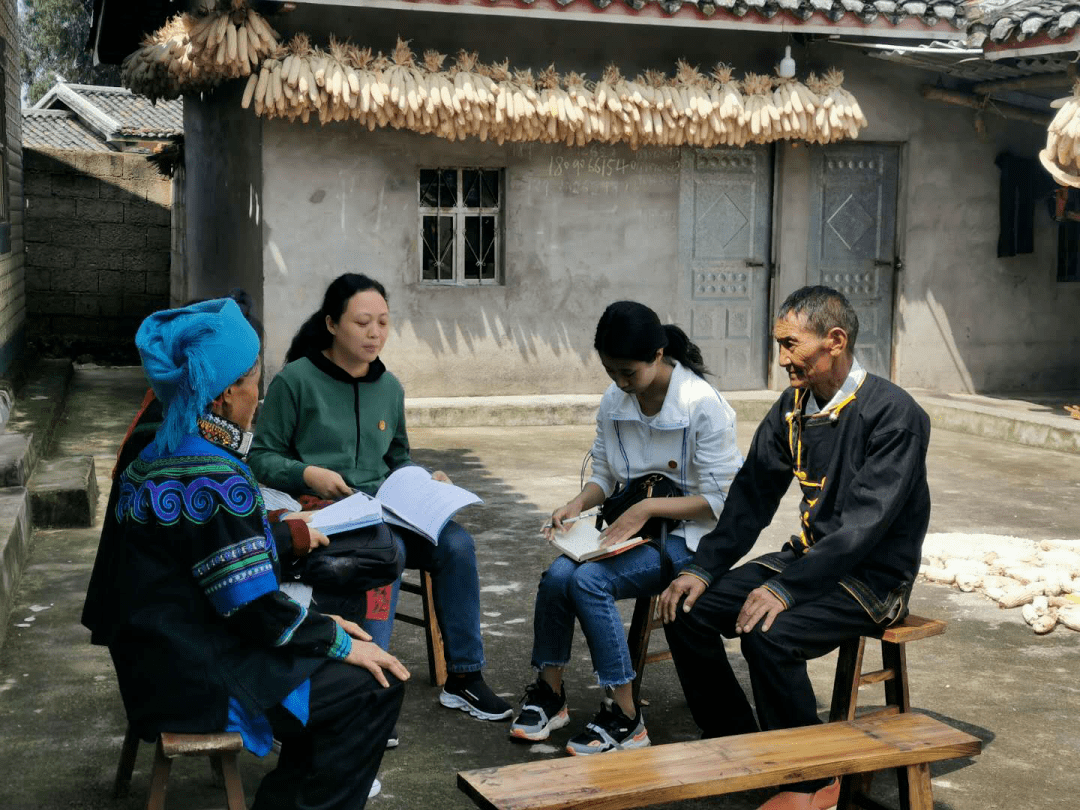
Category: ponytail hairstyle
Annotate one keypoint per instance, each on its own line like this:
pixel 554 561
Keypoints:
pixel 631 331
pixel 313 336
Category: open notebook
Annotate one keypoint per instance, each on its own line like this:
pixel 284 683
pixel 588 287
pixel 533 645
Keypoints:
pixel 581 542
pixel 409 497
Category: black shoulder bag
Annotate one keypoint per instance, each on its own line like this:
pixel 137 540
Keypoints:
pixel 653 485
pixel 355 561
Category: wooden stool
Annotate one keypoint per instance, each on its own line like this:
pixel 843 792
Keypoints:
pixel 643 622
pixel 893 676
pixel 221 748
pixel 433 636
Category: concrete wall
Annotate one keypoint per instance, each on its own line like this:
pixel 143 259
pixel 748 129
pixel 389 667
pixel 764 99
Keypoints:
pixel 336 198
pixel 12 273
pixel 98 243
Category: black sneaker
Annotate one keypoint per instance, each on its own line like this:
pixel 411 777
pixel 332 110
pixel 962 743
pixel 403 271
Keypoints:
pixel 610 730
pixel 542 711
pixel 472 695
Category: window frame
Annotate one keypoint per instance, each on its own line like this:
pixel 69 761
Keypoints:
pixel 460 213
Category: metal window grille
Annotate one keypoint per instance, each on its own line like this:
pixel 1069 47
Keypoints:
pixel 461 226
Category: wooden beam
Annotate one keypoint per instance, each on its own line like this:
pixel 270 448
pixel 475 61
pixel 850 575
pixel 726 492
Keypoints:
pixel 982 104
pixel 1028 83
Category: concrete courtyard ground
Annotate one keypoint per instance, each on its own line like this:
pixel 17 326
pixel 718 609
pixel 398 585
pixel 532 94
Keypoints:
pixel 61 720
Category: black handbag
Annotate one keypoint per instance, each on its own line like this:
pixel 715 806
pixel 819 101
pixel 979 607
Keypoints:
pixel 653 485
pixel 355 561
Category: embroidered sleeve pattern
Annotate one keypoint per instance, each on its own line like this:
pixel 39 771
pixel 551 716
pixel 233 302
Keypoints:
pixel 237 574
pixel 342 645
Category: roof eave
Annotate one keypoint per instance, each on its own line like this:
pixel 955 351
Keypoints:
pixel 651 14
pixel 1039 45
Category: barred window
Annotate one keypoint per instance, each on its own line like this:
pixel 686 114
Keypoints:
pixel 461 226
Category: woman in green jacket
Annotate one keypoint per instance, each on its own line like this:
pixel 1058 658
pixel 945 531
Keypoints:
pixel 334 422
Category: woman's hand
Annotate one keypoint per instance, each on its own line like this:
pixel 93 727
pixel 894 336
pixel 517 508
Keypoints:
pixel 439 475
pixel 628 524
pixel 316 539
pixel 326 483
pixel 559 518
pixel 375 659
pixel 352 628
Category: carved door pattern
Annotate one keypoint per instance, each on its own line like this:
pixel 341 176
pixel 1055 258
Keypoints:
pixel 724 208
pixel 853 238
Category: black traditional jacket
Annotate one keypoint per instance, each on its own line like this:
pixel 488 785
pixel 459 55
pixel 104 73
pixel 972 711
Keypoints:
pixel 865 508
pixel 185 594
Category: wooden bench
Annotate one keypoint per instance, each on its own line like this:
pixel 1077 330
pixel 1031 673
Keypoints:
pixel 690 770
pixel 893 675
pixel 222 749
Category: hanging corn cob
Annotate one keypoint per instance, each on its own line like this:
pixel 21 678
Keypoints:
pixel 469 99
pixel 843 111
pixel 192 53
pixel 1061 156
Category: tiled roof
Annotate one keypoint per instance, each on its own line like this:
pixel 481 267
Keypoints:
pixel 134 114
pixel 58 129
pixel 1000 20
pixel 930 12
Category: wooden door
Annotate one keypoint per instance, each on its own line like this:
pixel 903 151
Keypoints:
pixel 724 211
pixel 853 238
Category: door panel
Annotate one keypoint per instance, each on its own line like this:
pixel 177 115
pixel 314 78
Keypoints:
pixel 853 238
pixel 725 203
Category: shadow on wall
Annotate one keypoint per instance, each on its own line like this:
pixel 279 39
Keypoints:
pixel 971 321
pixel 98 239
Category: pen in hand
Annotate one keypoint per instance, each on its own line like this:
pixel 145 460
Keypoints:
pixel 591 513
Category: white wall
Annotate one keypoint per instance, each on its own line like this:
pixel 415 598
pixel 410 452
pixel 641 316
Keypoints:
pixel 338 199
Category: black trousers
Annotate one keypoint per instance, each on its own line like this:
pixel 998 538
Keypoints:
pixel 330 763
pixel 783 694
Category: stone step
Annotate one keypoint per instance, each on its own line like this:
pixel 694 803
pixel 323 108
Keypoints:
pixel 63 492
pixel 14 542
pixel 16 459
pixel 39 404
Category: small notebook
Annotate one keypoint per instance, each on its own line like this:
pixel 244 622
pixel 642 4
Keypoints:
pixel 581 542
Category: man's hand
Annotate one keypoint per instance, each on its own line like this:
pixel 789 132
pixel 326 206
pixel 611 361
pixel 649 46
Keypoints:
pixel 685 585
pixel 440 476
pixel 326 483
pixel 375 659
pixel 761 605
pixel 627 525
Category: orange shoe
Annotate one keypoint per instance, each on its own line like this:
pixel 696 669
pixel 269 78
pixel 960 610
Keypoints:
pixel 792 800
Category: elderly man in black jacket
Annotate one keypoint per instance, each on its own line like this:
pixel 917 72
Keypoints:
pixel 857 445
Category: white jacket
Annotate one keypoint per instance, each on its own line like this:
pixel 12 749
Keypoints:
pixel 691 440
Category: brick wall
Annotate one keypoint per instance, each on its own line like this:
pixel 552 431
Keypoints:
pixel 98 243
pixel 12 287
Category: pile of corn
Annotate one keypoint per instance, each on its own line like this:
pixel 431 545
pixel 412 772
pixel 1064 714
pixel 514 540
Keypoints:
pixel 468 99
pixel 489 102
pixel 192 53
pixel 1061 157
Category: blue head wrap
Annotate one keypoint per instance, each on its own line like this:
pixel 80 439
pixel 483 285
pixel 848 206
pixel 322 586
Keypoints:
pixel 190 356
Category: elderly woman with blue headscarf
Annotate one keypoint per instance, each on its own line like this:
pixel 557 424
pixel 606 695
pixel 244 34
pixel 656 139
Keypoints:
pixel 185 589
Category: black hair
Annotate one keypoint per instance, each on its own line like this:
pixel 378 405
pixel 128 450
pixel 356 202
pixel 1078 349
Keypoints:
pixel 631 331
pixel 825 309
pixel 313 336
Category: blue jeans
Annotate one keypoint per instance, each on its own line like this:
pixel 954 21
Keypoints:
pixel 452 565
pixel 588 592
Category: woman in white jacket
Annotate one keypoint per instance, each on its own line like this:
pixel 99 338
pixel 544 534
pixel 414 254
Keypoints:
pixel 658 416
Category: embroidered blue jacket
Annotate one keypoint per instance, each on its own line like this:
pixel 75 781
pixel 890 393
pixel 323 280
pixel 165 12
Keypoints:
pixel 194 616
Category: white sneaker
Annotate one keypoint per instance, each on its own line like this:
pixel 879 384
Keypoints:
pixel 376 789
